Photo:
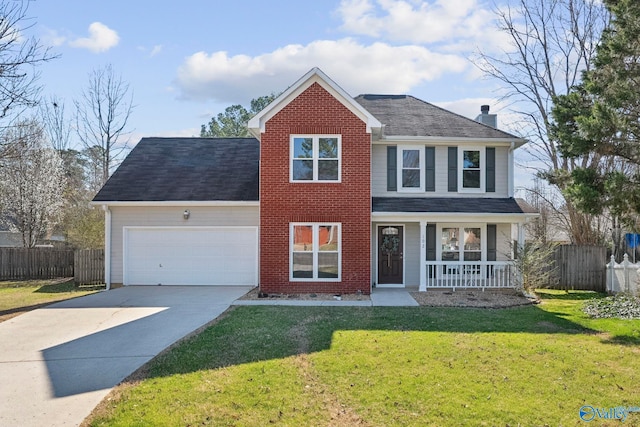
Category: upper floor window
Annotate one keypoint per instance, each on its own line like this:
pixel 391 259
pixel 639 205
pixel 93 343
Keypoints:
pixel 472 172
pixel 411 168
pixel 315 158
pixel 471 169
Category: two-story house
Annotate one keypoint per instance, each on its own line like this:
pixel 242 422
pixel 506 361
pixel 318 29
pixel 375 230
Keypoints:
pixel 334 194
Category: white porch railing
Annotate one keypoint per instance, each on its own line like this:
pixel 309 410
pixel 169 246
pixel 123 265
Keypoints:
pixel 477 274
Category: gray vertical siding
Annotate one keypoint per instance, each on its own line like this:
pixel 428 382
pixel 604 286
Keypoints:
pixel 379 175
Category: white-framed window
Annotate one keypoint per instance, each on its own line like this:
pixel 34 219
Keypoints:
pixel 471 175
pixel 315 158
pixel 411 168
pixel 462 242
pixel 316 250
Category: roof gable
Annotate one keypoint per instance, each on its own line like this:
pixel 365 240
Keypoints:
pixel 407 116
pixel 186 169
pixel 257 124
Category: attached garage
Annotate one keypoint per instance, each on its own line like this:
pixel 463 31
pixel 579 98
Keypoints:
pixel 190 256
pixel 183 211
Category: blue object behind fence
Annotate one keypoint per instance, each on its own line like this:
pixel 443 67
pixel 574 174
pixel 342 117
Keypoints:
pixel 633 239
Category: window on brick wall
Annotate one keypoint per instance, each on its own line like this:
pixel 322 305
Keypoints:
pixel 315 158
pixel 315 252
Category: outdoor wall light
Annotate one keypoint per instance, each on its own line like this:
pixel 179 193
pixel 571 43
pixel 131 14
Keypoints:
pixel 186 214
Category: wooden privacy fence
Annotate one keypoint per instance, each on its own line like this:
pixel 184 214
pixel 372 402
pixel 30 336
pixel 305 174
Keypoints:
pixel 580 267
pixel 35 263
pixel 86 266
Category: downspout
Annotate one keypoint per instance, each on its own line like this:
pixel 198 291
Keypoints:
pixel 510 185
pixel 107 246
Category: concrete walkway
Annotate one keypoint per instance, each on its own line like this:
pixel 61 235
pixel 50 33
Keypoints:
pixel 57 363
pixel 393 297
pixel 380 297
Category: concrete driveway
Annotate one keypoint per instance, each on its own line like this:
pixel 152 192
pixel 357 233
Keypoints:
pixel 57 363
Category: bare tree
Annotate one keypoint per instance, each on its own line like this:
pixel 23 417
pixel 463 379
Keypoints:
pixel 541 198
pixel 31 183
pixel 102 116
pixel 56 124
pixel 551 43
pixel 554 222
pixel 19 58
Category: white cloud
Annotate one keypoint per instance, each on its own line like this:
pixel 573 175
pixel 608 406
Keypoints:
pixel 375 68
pixel 470 107
pixel 53 38
pixel 101 38
pixel 460 25
pixel 155 50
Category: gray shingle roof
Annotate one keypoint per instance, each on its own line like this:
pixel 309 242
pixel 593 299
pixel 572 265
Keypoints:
pixel 186 169
pixel 451 205
pixel 404 115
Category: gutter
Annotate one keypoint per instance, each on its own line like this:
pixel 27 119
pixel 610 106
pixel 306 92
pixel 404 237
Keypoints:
pixel 510 175
pixel 107 246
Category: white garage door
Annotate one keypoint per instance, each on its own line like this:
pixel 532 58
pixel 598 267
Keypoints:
pixel 191 256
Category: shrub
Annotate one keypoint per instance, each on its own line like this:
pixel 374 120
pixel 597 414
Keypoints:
pixel 622 306
pixel 534 262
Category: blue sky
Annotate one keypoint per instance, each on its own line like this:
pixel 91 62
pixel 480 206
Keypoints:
pixel 186 62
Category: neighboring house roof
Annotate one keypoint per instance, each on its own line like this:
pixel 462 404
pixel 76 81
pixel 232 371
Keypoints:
pixel 186 169
pixel 405 115
pixel 452 205
pixel 10 239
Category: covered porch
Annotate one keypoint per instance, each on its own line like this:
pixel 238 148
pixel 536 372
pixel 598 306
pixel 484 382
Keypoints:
pixel 447 250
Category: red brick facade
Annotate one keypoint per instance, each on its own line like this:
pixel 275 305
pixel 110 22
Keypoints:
pixel 315 111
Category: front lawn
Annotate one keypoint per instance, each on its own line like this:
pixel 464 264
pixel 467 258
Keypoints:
pixel 380 366
pixel 17 297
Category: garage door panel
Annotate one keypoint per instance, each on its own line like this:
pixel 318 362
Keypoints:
pixel 191 256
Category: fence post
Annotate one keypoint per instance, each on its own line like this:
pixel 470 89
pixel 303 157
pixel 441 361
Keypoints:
pixel 625 272
pixel 611 274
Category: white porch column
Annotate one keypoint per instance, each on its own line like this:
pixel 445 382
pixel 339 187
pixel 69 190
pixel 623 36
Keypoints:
pixel 423 256
pixel 520 248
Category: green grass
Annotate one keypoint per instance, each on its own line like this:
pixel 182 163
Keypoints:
pixel 17 297
pixel 380 366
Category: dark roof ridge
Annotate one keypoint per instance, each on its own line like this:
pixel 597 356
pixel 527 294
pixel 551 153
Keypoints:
pixel 229 138
pixel 465 117
pixel 377 97
pixel 383 96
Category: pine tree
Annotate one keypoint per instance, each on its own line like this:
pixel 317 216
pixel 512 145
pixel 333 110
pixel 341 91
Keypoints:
pixel 601 118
